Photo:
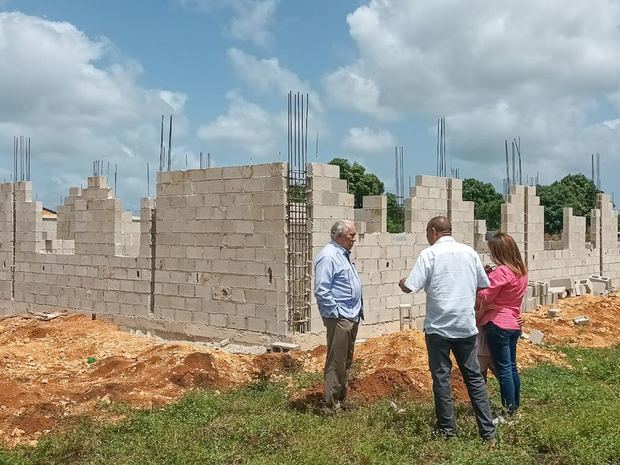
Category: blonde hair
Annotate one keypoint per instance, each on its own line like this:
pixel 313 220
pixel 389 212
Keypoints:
pixel 504 251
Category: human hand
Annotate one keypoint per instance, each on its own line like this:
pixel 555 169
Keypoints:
pixel 520 320
pixel 402 286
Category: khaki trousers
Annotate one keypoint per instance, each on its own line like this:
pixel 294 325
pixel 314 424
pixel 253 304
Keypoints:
pixel 341 334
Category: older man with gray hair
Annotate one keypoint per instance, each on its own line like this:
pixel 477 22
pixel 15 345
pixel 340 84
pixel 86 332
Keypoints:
pixel 338 293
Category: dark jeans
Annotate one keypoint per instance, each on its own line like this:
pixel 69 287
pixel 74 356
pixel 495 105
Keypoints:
pixel 439 362
pixel 503 347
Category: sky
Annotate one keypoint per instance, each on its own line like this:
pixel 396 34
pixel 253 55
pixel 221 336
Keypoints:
pixel 89 80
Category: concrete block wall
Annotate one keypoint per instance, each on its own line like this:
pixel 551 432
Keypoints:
pixel 428 198
pixel 96 221
pixel 373 214
pixel 211 249
pixel 523 212
pixel 329 201
pixel 6 241
pixel 513 215
pixel 221 250
pixel 47 279
pixel 574 231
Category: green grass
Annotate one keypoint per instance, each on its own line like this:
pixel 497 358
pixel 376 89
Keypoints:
pixel 568 416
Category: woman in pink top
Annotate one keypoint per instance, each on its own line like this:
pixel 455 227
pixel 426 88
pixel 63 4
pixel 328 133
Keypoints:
pixel 502 299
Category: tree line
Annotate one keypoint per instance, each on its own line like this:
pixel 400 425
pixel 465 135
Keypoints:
pixel 573 190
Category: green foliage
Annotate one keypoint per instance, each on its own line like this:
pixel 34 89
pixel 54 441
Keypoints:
pixel 574 190
pixel 360 182
pixel 395 215
pixel 487 202
pixel 568 416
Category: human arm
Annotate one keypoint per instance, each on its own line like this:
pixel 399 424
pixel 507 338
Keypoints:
pixel 323 278
pixel 497 279
pixel 417 278
pixel 482 273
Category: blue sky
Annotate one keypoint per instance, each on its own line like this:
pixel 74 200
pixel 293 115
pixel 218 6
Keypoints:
pixel 89 80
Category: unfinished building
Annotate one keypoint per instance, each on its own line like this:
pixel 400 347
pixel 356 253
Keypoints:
pixel 227 252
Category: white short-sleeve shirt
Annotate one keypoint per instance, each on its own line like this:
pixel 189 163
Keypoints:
pixel 450 273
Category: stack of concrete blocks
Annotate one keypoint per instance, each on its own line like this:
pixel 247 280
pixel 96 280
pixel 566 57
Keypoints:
pixel 222 251
pixel 531 298
pixel 513 216
pixel 600 285
pixel 29 221
pixel 541 292
pixel 65 222
pixel 428 198
pixel 480 232
pixel 460 213
pixel 329 201
pixel 100 226
pixel 564 286
pixel 372 217
pixel 606 219
pixel 573 231
pixel 534 227
pixel 6 243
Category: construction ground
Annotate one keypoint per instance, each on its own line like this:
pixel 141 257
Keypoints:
pixel 54 372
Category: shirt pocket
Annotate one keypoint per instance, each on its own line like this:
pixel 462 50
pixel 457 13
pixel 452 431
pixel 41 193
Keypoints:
pixel 343 279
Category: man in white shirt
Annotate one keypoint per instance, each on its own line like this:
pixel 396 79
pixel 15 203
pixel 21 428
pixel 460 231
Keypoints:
pixel 450 273
pixel 338 292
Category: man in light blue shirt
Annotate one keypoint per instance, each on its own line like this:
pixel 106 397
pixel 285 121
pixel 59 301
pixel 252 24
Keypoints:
pixel 338 293
pixel 450 273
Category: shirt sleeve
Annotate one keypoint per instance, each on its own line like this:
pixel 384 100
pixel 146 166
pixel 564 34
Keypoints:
pixel 497 278
pixel 419 274
pixel 323 276
pixel 482 278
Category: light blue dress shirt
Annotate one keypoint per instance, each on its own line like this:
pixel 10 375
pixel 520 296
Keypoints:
pixel 337 286
pixel 450 273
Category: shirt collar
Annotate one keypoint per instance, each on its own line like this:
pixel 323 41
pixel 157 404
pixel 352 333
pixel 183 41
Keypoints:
pixel 445 239
pixel 340 248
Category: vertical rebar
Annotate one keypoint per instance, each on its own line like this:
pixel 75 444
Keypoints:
pixel 161 145
pixel 170 144
pixel 507 167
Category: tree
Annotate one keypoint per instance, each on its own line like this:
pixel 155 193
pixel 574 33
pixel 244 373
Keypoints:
pixel 574 190
pixel 360 182
pixel 395 215
pixel 487 202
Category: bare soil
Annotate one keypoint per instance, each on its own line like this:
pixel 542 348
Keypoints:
pixel 46 380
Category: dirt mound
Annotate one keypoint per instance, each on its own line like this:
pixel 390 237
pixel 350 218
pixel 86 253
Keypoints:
pixel 267 366
pixel 197 370
pixel 385 382
pixel 45 377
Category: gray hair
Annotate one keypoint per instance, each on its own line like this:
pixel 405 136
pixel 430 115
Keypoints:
pixel 339 228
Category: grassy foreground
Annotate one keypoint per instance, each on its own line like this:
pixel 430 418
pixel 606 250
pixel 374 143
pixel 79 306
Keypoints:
pixel 569 416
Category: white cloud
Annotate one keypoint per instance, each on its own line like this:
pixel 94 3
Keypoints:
pixel 348 88
pixel 268 75
pixel 251 21
pixel 545 71
pixel 249 126
pixel 368 141
pixel 246 126
pixel 79 100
